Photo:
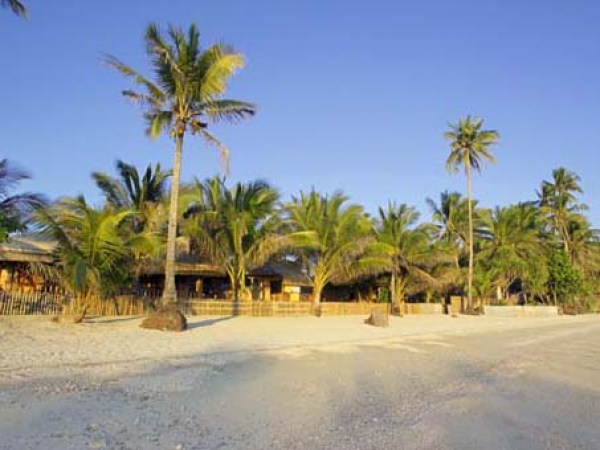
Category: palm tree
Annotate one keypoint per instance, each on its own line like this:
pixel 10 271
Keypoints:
pixel 16 6
pixel 470 147
pixel 236 228
pixel 451 218
pixel 14 208
pixel 132 191
pixel 331 237
pixel 405 247
pixel 185 98
pixel 94 252
pixel 558 203
pixel 512 246
pixel 584 248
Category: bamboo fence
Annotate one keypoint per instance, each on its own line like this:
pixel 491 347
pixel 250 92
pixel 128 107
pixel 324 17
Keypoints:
pixel 130 305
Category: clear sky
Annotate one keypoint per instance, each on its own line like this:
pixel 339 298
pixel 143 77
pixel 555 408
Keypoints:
pixel 353 95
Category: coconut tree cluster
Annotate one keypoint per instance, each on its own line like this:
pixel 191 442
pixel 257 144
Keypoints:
pixel 543 249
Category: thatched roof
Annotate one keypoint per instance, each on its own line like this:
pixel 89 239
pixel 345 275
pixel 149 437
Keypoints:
pixel 185 268
pixel 288 271
pixel 27 248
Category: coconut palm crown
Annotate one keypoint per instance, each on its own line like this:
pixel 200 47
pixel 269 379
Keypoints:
pixel 185 98
pixel 141 193
pixel 559 204
pixel 406 247
pixel 331 238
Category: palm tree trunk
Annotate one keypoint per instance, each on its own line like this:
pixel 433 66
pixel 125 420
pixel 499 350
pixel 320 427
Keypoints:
pixel 470 202
pixel 318 285
pixel 317 300
pixel 170 291
pixel 393 287
pixel 242 282
pixel 566 239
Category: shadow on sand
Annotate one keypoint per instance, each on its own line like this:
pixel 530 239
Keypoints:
pixel 100 319
pixel 208 322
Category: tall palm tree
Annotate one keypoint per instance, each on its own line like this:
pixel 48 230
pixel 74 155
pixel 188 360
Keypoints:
pixel 331 238
pixel 15 6
pixel 406 248
pixel 558 203
pixel 469 147
pixel 236 228
pixel 131 191
pixel 186 97
pixel 14 208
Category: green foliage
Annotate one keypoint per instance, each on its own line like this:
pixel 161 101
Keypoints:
pixel 483 282
pixel 404 248
pixel 235 228
pixel 559 205
pixel 511 246
pixel 141 194
pixel 189 84
pixel 9 224
pixel 185 97
pixel 95 251
pixel 15 209
pixel 331 238
pixel 565 282
pixel 584 248
pixel 469 147
pixel 384 295
pixel 451 218
pixel 470 144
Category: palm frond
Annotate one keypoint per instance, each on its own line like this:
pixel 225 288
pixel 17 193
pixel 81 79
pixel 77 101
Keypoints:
pixel 218 64
pixel 15 6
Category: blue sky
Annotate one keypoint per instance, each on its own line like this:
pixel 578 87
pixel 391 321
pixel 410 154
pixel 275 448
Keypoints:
pixel 353 95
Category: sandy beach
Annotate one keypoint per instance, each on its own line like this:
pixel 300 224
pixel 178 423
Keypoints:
pixel 424 382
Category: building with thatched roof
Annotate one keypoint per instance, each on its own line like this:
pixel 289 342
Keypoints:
pixel 282 280
pixel 195 279
pixel 17 256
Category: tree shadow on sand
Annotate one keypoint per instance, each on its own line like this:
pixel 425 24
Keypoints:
pixel 100 319
pixel 208 322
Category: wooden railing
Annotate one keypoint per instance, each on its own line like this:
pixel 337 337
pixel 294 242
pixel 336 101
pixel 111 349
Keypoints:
pixel 55 304
pixel 352 309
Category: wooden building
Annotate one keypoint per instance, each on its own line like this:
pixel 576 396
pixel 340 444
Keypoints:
pixel 20 256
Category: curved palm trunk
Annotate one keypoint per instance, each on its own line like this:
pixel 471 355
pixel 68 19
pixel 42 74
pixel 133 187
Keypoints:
pixel 317 299
pixel 470 203
pixel 170 291
pixel 318 285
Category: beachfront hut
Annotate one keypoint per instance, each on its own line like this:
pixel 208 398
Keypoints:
pixel 193 279
pixel 17 257
pixel 280 281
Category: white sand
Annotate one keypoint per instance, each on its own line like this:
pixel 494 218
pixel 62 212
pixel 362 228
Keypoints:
pixel 301 383
pixel 110 348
